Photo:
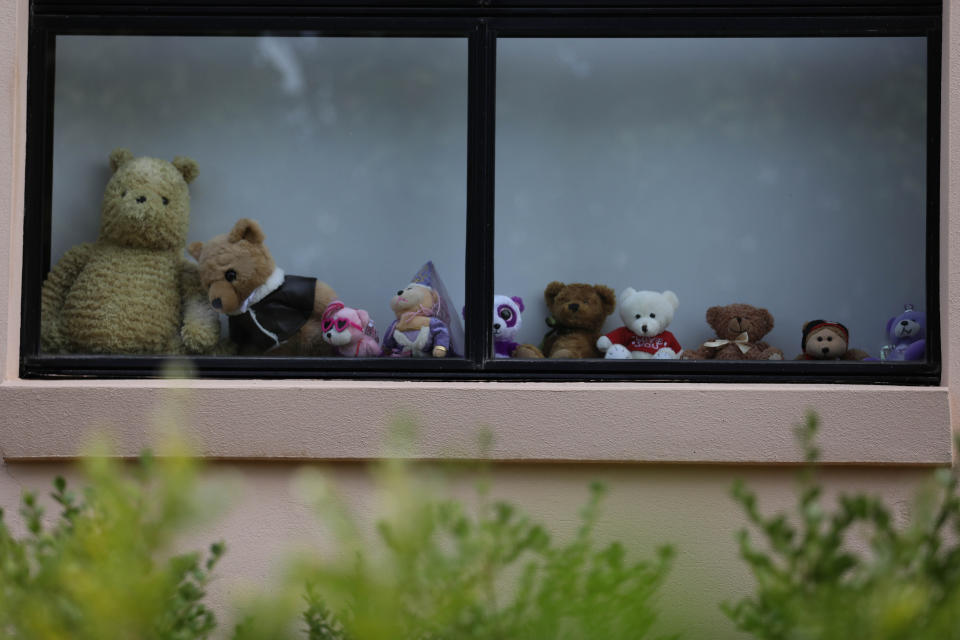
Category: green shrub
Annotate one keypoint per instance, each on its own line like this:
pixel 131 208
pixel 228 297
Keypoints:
pixel 96 573
pixel 813 580
pixel 438 570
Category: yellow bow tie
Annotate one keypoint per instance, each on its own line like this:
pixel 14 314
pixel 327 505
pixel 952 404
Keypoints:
pixel 742 341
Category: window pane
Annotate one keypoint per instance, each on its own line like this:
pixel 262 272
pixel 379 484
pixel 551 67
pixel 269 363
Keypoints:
pixel 785 173
pixel 350 153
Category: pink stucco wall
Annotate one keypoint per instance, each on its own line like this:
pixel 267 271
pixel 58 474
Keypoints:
pixel 683 444
pixel 339 420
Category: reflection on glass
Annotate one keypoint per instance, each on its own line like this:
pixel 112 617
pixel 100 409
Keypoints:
pixel 785 174
pixel 301 172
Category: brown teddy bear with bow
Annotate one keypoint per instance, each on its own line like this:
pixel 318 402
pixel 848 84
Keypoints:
pixel 739 329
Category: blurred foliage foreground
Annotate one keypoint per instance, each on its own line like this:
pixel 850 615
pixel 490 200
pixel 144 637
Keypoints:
pixel 443 569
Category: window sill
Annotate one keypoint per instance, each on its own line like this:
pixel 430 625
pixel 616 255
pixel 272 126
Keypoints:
pixel 530 422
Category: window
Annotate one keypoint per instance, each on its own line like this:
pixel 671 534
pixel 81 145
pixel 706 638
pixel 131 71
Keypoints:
pixel 780 156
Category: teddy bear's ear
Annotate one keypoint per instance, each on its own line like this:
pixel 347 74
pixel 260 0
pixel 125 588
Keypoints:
pixel 247 229
pixel 195 249
pixel 364 318
pixel 672 299
pixel 767 319
pixel 626 293
pixel 519 302
pixel 552 290
pixel 119 157
pixel 607 296
pixel 713 316
pixel 187 167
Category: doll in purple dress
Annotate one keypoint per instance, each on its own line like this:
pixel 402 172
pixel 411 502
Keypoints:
pixel 417 331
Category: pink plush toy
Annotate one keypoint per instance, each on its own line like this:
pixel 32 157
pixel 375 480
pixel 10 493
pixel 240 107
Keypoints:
pixel 350 330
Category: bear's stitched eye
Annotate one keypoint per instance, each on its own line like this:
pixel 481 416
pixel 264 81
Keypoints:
pixel 638 316
pixel 165 200
pixel 829 338
pixel 506 314
pixel 653 315
pixel 819 338
pixel 230 275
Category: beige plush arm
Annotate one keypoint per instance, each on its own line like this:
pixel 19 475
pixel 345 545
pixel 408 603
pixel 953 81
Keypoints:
pixel 200 327
pixel 55 288
pixel 323 295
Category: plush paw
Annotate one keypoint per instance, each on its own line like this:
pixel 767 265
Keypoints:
pixel 200 332
pixel 665 354
pixel 527 351
pixel 50 339
pixel 604 343
pixel 775 356
pixel 617 352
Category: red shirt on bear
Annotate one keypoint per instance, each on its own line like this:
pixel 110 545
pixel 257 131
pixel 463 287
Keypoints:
pixel 650 344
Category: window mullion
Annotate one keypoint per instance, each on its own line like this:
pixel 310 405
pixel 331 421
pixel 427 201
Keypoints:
pixel 481 101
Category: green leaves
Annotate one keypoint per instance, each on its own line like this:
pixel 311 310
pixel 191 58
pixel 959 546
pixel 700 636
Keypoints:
pixel 96 573
pixel 814 581
pixel 439 570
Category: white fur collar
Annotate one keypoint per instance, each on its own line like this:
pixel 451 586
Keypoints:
pixel 272 284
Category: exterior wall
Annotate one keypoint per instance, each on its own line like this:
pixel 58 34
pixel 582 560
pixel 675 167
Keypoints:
pixel 688 506
pixel 879 438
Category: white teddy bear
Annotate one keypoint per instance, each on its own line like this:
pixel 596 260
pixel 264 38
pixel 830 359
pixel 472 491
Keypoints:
pixel 646 315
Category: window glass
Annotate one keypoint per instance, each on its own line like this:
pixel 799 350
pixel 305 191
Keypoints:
pixel 350 153
pixel 785 173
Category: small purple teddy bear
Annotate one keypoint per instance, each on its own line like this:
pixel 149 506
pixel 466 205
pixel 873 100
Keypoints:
pixel 908 331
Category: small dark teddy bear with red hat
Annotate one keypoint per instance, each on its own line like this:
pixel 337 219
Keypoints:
pixel 824 340
pixel 739 328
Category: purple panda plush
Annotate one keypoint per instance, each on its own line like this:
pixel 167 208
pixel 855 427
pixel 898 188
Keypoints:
pixel 908 333
pixel 506 324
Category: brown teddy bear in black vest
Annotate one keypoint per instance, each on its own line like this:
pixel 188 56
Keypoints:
pixel 269 311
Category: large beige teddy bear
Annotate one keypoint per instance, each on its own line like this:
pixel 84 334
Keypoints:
pixel 133 291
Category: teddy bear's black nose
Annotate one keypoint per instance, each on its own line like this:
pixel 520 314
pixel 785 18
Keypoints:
pixel 904 322
pixel 643 328
pixel 329 334
pixel 825 350
pixel 400 293
pixel 142 199
pixel 496 325
pixel 217 303
pixel 573 306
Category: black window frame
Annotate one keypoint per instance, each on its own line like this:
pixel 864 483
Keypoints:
pixel 482 23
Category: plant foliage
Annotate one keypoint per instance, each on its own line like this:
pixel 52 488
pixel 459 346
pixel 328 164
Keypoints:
pixel 438 570
pixel 815 579
pixel 95 573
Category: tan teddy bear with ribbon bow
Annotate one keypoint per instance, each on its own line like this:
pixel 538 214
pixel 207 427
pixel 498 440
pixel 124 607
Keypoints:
pixel 739 329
